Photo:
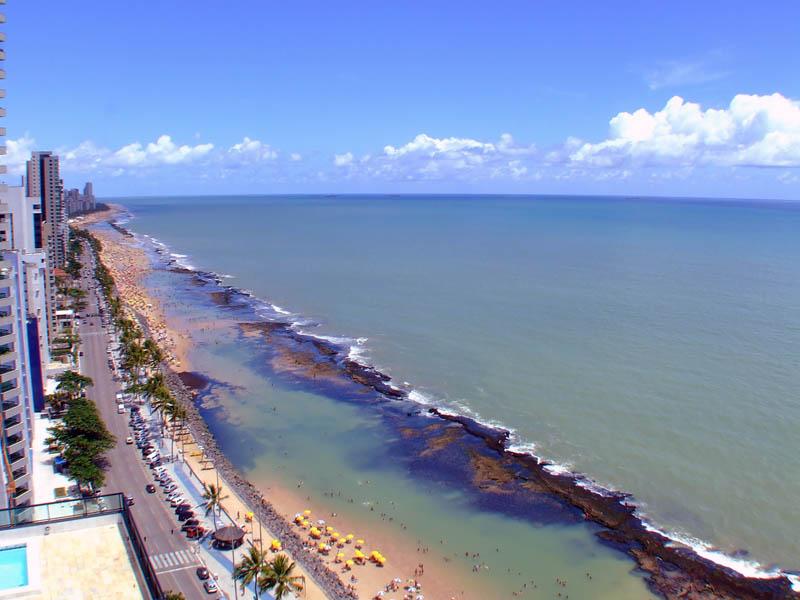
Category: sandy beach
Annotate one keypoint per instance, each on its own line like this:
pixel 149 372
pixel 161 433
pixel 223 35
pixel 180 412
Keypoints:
pixel 406 560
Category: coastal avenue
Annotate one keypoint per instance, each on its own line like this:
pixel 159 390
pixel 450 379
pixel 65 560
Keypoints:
pixel 126 473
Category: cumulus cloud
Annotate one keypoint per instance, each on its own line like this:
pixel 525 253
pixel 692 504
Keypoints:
pixel 162 151
pixel 342 160
pixel 759 131
pixel 251 151
pixel 17 152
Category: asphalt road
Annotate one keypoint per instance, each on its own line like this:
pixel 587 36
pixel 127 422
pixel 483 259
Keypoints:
pixel 170 552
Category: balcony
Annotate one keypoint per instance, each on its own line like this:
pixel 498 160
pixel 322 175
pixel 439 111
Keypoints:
pixel 18 461
pixel 17 445
pixel 11 408
pixel 13 426
pixel 6 300
pixel 6 320
pixel 8 373
pixel 21 495
pixel 23 481
pixel 6 337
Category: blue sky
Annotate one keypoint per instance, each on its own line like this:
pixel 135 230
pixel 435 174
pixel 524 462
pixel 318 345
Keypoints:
pixel 521 97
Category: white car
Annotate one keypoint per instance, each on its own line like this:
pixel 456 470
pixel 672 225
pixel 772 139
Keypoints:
pixel 176 501
pixel 129 440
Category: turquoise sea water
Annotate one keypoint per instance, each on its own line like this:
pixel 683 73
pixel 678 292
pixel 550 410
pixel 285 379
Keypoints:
pixel 652 345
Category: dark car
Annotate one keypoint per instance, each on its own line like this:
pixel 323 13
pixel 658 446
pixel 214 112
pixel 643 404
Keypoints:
pixel 151 489
pixel 190 523
pixel 155 463
pixel 183 507
pixel 185 515
pixel 202 573
pixel 129 500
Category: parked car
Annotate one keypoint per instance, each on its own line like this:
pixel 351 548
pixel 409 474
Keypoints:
pixel 202 573
pixel 129 440
pixel 185 515
pixel 211 586
pixel 190 523
pixel 129 500
pixel 155 463
pixel 178 500
pixel 151 489
pixel 183 507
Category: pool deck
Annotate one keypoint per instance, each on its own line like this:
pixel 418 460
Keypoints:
pixel 75 560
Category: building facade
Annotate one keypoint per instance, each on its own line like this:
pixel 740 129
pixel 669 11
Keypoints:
pixel 77 203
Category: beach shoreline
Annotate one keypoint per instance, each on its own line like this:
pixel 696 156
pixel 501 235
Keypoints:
pixel 129 265
pixel 673 569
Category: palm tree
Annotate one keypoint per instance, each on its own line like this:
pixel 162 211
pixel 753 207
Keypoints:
pixel 176 413
pixel 154 354
pixel 251 567
pixel 278 577
pixel 213 496
pixel 170 595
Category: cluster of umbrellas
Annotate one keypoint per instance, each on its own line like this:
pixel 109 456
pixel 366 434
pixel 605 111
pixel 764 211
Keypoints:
pixel 321 530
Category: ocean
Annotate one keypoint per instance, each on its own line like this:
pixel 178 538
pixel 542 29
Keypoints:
pixel 651 345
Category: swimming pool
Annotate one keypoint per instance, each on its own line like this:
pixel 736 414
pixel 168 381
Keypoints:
pixel 13 567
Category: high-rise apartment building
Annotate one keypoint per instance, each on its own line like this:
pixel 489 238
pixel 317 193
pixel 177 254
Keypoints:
pixel 50 230
pixel 44 182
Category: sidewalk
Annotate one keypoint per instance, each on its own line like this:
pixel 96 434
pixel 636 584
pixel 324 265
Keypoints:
pixel 190 476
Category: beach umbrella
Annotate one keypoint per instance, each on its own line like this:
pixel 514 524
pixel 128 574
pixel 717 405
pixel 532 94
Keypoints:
pixel 349 564
pixel 349 537
pixel 276 545
pixel 339 557
pixel 307 512
pixel 329 529
pixel 359 543
pixel 335 535
pixel 321 547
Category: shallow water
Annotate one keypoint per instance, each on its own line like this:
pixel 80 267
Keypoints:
pixel 651 345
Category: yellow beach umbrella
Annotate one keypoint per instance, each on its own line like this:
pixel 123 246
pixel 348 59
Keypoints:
pixel 276 545
pixel 349 564
pixel 339 557
pixel 329 529
pixel 307 512
pixel 359 543
pixel 321 547
pixel 382 561
pixel 335 535
pixel 349 537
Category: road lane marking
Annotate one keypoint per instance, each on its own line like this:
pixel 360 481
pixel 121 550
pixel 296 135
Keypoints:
pixel 171 561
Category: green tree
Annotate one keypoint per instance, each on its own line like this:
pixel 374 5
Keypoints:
pixel 170 595
pixel 279 578
pixel 84 439
pixel 250 568
pixel 73 384
pixel 213 495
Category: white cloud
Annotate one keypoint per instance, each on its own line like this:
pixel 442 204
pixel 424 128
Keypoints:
pixel 161 152
pixel 342 160
pixel 17 152
pixel 762 131
pixel 684 73
pixel 295 156
pixel 250 151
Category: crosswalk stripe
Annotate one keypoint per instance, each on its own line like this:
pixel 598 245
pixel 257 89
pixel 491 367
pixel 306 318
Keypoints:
pixel 170 560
